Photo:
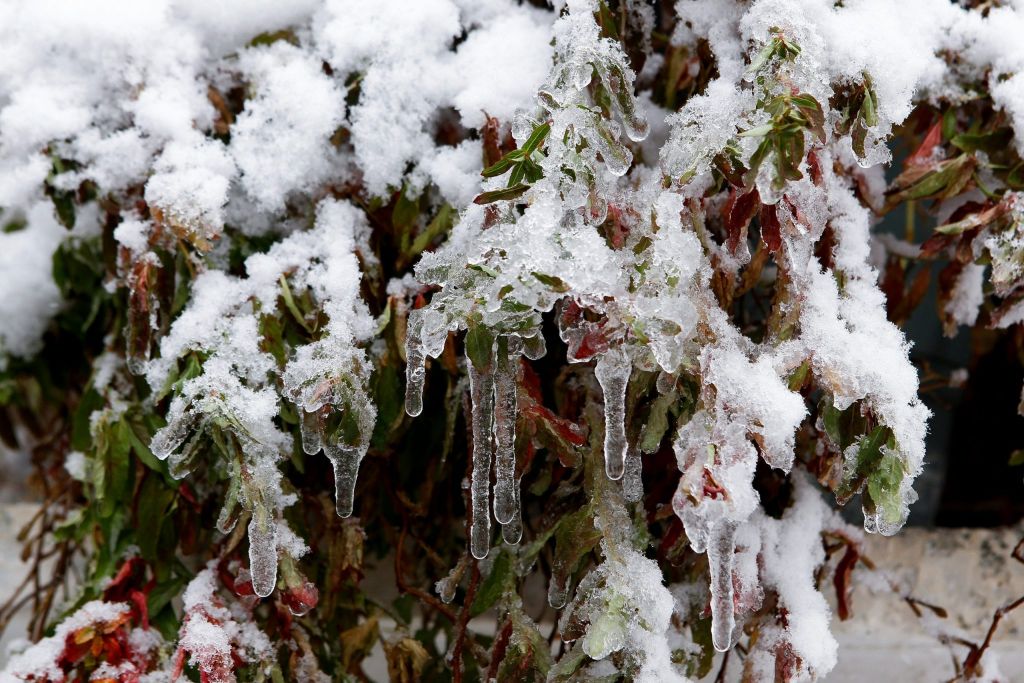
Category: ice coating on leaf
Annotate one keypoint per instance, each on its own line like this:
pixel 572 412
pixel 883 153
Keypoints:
pixel 234 398
pixel 612 371
pixel 629 610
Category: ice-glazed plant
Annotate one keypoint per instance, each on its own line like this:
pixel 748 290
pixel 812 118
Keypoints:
pixel 603 273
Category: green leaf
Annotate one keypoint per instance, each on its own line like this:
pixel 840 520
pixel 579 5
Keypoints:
pixel 483 268
pixel 989 143
pixel 758 131
pixel 555 283
pixel 657 422
pixel 503 194
pixel 153 502
pixel 517 175
pixel 441 225
pixel 1017 457
pixel 479 343
pixel 883 488
pixel 500 580
pixel 536 138
pixel 869 456
pixel 406 211
pixel 868 110
pixel 499 167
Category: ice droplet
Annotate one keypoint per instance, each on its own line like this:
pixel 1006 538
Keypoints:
pixel 613 370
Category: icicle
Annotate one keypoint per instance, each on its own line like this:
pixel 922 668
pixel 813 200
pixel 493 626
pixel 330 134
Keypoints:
pixel 558 590
pixel 613 370
pixel 262 551
pixel 512 532
pixel 481 390
pixel 505 364
pixel 415 368
pixel 721 550
pixel 312 440
pixel 345 460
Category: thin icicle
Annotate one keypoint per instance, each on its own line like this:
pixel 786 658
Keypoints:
pixel 481 391
pixel 345 460
pixel 415 368
pixel 721 551
pixel 505 496
pixel 613 369
pixel 262 551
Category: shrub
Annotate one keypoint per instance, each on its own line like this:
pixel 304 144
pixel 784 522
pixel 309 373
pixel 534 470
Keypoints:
pixel 603 275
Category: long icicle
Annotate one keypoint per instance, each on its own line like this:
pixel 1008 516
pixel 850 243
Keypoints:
pixel 481 391
pixel 721 551
pixel 505 367
pixel 613 370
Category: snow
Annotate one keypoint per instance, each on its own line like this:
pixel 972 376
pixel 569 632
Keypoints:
pixel 28 296
pixel 293 114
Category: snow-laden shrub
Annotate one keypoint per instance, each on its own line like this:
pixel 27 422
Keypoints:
pixel 613 263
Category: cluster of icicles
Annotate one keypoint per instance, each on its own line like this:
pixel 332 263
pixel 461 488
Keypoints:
pixel 494 409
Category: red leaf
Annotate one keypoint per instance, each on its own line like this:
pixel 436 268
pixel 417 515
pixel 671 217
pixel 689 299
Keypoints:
pixel 771 231
pixel 841 580
pixel 740 209
pixel 923 154
pixel 138 599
